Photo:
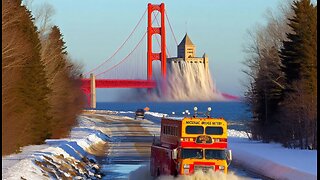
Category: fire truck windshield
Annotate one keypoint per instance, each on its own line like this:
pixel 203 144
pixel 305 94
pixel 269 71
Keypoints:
pixel 194 129
pixel 215 154
pixel 192 153
pixel 214 130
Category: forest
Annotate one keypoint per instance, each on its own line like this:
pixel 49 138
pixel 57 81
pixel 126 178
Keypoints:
pixel 281 69
pixel 41 87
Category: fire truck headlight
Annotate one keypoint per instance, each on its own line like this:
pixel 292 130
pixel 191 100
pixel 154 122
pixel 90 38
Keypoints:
pixel 221 167
pixel 186 166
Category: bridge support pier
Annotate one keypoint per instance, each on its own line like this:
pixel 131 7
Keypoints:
pixel 93 97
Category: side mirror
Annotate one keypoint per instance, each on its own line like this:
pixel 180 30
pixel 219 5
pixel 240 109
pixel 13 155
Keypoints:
pixel 229 155
pixel 174 154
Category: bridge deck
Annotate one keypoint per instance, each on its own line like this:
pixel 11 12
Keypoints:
pixel 119 83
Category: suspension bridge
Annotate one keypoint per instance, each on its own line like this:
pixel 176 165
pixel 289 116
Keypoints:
pixel 128 71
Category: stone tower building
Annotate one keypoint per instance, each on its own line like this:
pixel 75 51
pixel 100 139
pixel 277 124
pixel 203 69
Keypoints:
pixel 187 53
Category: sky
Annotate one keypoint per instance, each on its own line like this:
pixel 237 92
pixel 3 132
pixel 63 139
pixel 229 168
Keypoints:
pixel 93 30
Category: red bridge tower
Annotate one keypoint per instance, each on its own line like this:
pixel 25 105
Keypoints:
pixel 162 56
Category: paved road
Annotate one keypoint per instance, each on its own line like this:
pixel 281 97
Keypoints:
pixel 127 155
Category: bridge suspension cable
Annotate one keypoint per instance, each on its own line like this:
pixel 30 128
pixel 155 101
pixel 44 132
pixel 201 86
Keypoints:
pixel 124 59
pixel 155 17
pixel 113 67
pixel 171 28
pixel 120 46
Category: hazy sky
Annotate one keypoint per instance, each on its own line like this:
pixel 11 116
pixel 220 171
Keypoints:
pixel 93 30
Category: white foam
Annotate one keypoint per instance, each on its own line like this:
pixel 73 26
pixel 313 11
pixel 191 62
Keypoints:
pixel 144 173
pixel 187 82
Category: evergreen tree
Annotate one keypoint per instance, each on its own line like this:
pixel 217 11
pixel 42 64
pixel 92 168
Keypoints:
pixel 54 56
pixel 267 95
pixel 12 51
pixel 64 90
pixel 299 52
pixel 264 92
pixel 299 59
pixel 25 108
pixel 33 88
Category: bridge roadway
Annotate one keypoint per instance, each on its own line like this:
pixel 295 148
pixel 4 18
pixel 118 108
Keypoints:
pixel 89 87
pixel 119 83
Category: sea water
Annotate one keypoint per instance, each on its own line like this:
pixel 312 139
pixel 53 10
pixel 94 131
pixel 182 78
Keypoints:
pixel 235 113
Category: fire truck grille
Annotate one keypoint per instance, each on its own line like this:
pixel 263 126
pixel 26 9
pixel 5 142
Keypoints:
pixel 203 168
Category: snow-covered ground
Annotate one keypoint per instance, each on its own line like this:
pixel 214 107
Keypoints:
pixel 271 160
pixel 60 157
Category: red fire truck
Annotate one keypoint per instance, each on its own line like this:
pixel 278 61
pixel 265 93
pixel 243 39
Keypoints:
pixel 189 144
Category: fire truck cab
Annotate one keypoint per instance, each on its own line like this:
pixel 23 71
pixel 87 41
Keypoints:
pixel 189 144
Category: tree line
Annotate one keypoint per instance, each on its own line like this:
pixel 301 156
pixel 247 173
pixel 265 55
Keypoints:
pixel 41 88
pixel 281 67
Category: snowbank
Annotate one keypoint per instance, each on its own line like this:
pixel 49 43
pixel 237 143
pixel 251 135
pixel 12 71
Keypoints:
pixel 156 114
pixel 272 160
pixel 58 158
